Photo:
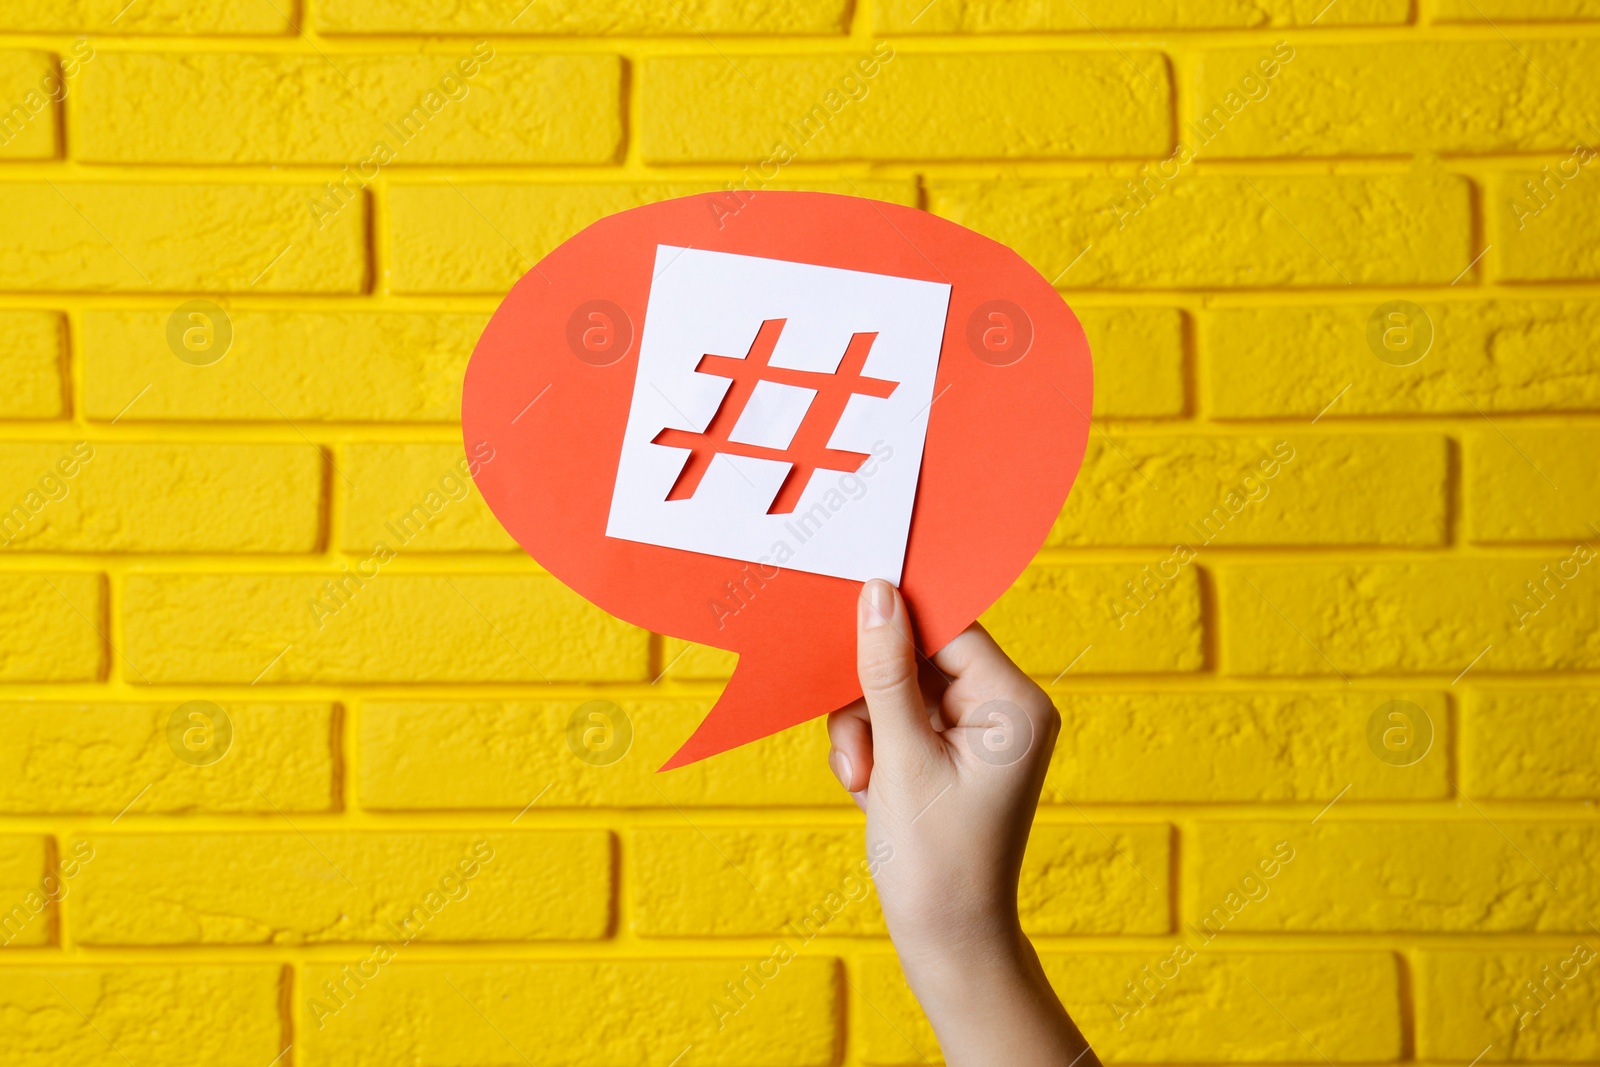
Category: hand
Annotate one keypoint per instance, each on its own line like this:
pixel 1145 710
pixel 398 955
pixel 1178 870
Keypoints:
pixel 947 761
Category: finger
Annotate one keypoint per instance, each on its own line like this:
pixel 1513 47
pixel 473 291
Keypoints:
pixel 886 662
pixel 973 652
pixel 850 757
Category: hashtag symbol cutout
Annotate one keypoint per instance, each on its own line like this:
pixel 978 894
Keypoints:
pixel 808 451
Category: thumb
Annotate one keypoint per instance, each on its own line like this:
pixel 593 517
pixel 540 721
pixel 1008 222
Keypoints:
pixel 886 662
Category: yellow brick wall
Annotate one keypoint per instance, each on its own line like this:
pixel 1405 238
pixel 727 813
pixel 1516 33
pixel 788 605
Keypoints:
pixel 1276 534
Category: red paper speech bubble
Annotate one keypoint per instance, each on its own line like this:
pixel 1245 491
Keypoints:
pixel 552 378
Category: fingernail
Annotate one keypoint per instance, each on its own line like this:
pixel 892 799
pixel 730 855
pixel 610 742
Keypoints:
pixel 839 763
pixel 877 604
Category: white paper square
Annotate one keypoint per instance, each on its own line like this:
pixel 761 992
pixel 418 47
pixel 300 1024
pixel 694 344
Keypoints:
pixel 845 524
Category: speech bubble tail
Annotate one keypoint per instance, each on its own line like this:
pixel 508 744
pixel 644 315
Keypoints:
pixel 766 695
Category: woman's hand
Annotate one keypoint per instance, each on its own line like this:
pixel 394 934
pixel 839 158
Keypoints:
pixel 947 760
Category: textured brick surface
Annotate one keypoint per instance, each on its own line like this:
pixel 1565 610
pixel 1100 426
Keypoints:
pixel 258 108
pixel 1532 485
pixel 1138 361
pixel 30 361
pixel 108 758
pixel 1532 214
pixel 52 627
pixel 1492 356
pixel 988 16
pixel 632 1010
pixel 1458 875
pixel 1297 999
pixel 288 888
pixel 1282 231
pixel 1508 11
pixel 481 238
pixel 190 1015
pixel 347 366
pixel 1531 743
pixel 1007 105
pixel 148 16
pixel 643 17
pixel 1525 1006
pixel 26 897
pixel 419 497
pixel 29 123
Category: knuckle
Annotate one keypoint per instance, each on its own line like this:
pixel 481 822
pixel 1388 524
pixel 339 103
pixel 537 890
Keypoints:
pixel 885 669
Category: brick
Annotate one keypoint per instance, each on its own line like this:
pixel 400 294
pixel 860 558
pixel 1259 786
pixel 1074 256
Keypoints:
pixel 30 91
pixel 571 17
pixel 1217 747
pixel 147 17
pixel 685 659
pixel 986 16
pixel 416 497
pixel 171 236
pixel 1535 744
pixel 194 1015
pixel 1051 614
pixel 1251 1007
pixel 123 497
pixel 366 111
pixel 464 238
pixel 306 366
pixel 1546 246
pixel 1496 355
pixel 633 1011
pixel 29 885
pixel 321 887
pixel 1289 489
pixel 395 627
pixel 1483 999
pixel 1465 874
pixel 502 754
pixel 104 758
pixel 1013 105
pixel 1427 615
pixel 1138 361
pixel 810 881
pixel 51 627
pixel 1306 230
pixel 1512 11
pixel 1523 484
pixel 1397 98
pixel 31 346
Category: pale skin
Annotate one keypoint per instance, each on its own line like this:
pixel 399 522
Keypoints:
pixel 955 802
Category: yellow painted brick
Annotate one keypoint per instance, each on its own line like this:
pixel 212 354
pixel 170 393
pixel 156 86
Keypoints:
pixel 1547 246
pixel 1531 743
pixel 1466 874
pixel 809 881
pixel 271 108
pixel 395 627
pixel 1138 361
pixel 1308 230
pixel 145 17
pixel 1531 485
pixel 1514 10
pixel 307 366
pixel 631 17
pixel 608 1011
pixel 1052 615
pixel 491 754
pixel 1399 98
pixel 320 887
pixel 172 236
pixel 51 627
pixel 124 497
pixel 1482 998
pixel 1496 355
pixel 1009 16
pixel 193 1015
pixel 1013 105
pixel 27 916
pixel 1241 1007
pixel 30 363
pixel 419 498
pixel 30 90
pixel 105 758
pixel 464 238
pixel 1293 489
pixel 685 659
pixel 1326 618
pixel 1217 747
